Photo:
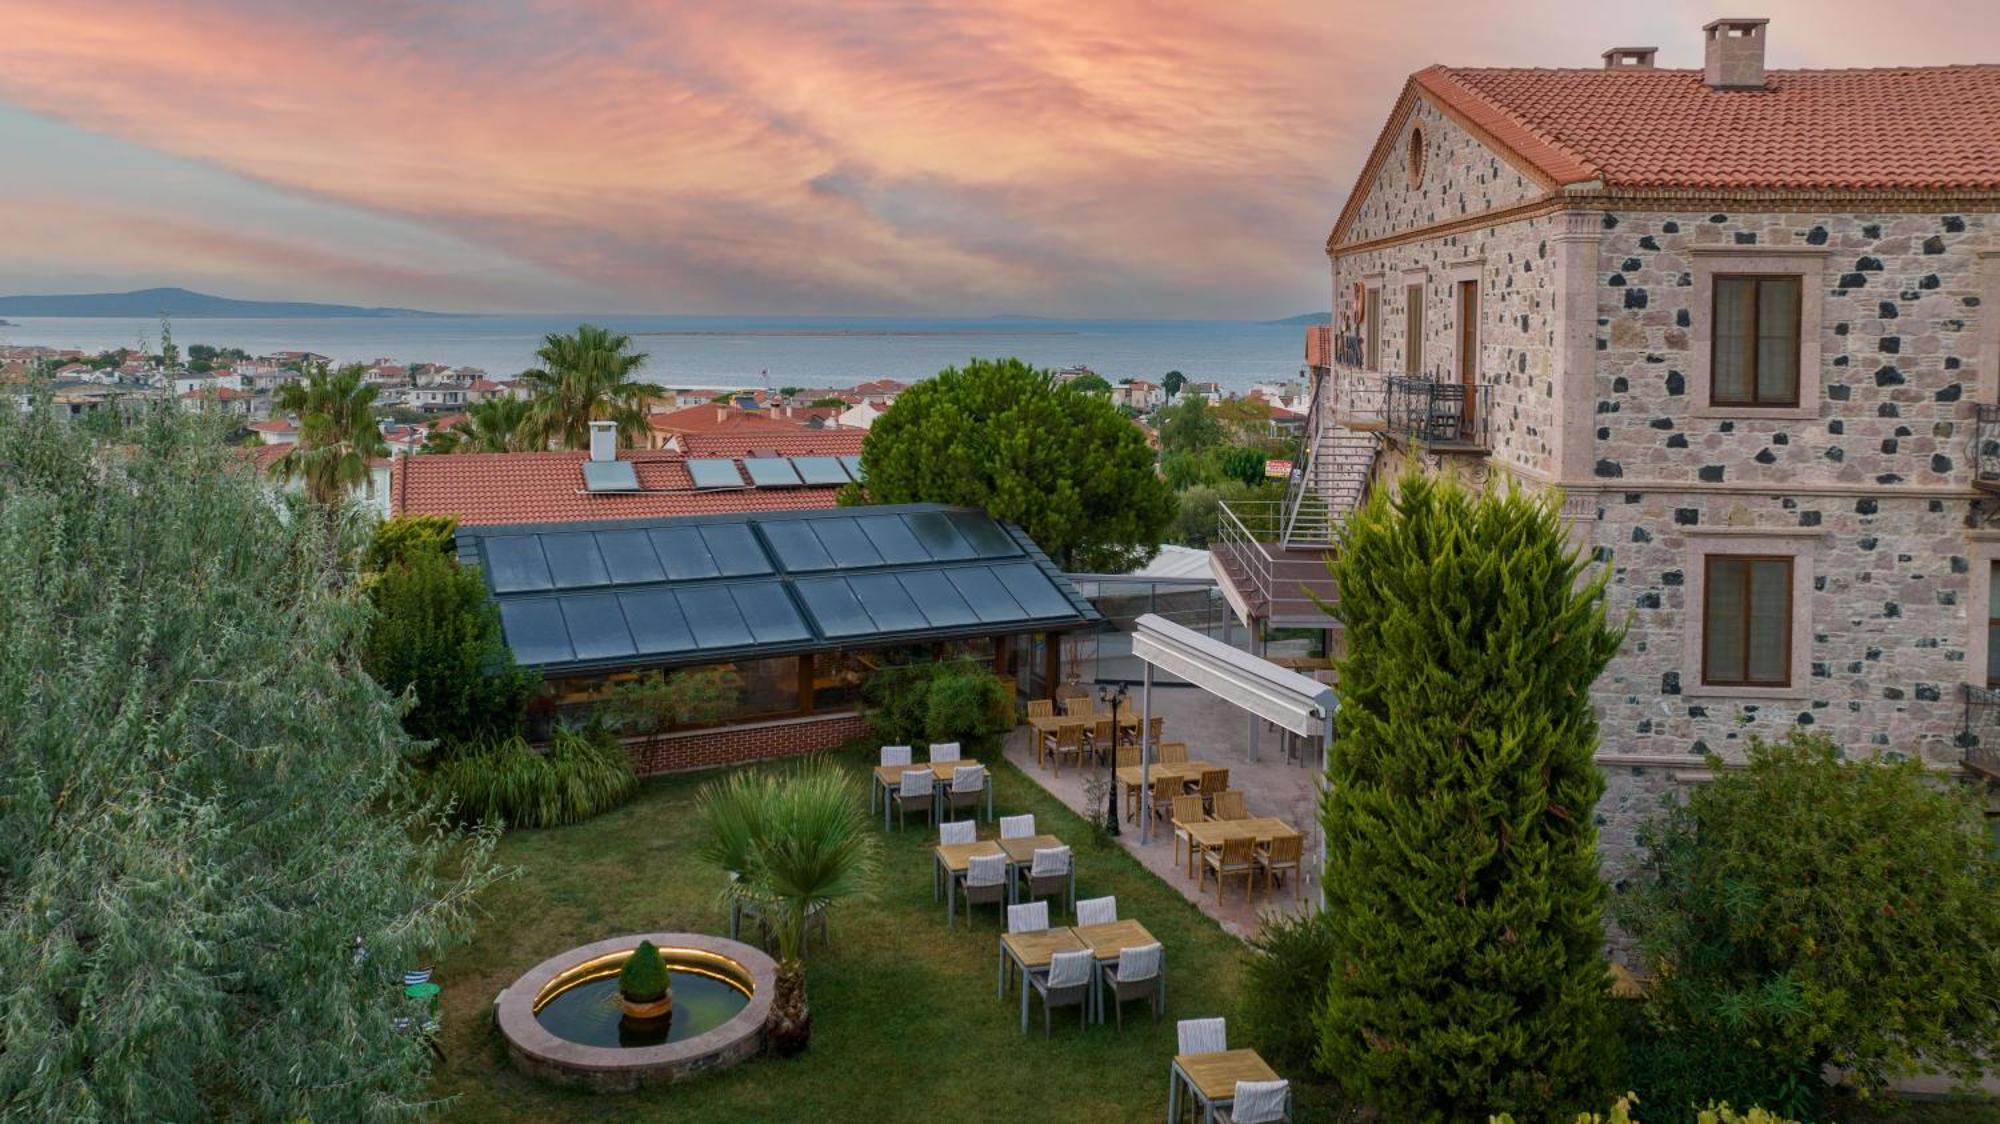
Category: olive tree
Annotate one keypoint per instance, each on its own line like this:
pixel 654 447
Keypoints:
pixel 210 876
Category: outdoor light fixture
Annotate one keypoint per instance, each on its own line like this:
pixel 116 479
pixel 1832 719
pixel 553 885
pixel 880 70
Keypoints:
pixel 1106 695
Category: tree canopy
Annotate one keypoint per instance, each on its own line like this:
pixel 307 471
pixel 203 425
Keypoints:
pixel 338 437
pixel 1003 436
pixel 585 376
pixel 1190 426
pixel 210 875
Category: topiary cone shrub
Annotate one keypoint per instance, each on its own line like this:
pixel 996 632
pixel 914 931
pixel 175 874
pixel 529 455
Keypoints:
pixel 645 991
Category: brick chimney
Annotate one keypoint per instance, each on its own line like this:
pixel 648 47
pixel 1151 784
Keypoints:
pixel 1630 58
pixel 1733 52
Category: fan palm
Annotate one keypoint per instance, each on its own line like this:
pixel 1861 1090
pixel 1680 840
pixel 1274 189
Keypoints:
pixel 585 376
pixel 492 426
pixel 795 846
pixel 338 437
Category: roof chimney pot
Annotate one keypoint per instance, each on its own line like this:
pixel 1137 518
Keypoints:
pixel 1733 54
pixel 604 440
pixel 1630 58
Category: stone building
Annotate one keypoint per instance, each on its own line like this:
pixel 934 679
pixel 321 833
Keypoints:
pixel 1745 319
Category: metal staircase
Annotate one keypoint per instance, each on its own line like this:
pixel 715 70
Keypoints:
pixel 1330 475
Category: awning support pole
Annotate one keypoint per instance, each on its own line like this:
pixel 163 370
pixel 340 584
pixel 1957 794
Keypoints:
pixel 1145 758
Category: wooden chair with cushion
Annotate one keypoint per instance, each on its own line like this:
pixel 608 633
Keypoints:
pixel 1202 1036
pixel 1069 743
pixel 1017 827
pixel 1212 781
pixel 1282 856
pixel 1077 706
pixel 968 787
pixel 958 831
pixel 1135 975
pixel 1236 858
pixel 1100 737
pixel 1187 810
pixel 1160 804
pixel 1128 757
pixel 1050 874
pixel 1173 753
pixel 1230 805
pixel 895 755
pixel 1066 983
pixel 985 883
pixel 1257 1102
pixel 1097 911
pixel 1041 708
pixel 916 794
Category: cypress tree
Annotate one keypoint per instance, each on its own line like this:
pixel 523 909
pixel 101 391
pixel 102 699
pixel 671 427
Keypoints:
pixel 1462 875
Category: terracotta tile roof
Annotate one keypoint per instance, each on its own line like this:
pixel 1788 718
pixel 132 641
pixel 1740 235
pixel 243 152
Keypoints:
pixel 1907 128
pixel 488 488
pixel 800 442
pixel 718 418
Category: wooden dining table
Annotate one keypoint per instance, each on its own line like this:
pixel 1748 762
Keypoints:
pixel 1047 725
pixel 1211 834
pixel 1212 1079
pixel 1029 951
pixel 888 781
pixel 1188 772
pixel 1106 941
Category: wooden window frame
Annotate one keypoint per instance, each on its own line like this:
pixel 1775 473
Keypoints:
pixel 1413 329
pixel 1371 315
pixel 1756 335
pixel 1708 562
pixel 1992 619
pixel 1810 264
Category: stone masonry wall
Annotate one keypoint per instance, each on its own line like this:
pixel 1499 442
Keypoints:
pixel 1461 177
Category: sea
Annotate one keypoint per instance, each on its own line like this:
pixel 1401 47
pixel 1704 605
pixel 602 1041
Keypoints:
pixel 730 352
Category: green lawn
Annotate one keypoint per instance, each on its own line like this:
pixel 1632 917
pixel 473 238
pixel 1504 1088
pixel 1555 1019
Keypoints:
pixel 905 1023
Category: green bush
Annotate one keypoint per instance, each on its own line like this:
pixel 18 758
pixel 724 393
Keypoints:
pixel 508 783
pixel 1676 1072
pixel 1462 882
pixel 436 634
pixel 395 540
pixel 643 979
pixel 1240 464
pixel 915 703
pixel 1814 911
pixel 1621 1113
pixel 1284 987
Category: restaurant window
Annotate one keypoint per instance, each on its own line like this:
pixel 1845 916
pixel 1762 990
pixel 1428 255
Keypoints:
pixel 1755 343
pixel 1373 327
pixel 1747 621
pixel 1413 330
pixel 766 688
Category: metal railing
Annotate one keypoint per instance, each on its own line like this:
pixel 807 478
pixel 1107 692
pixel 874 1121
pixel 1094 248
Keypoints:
pixel 1986 446
pixel 1980 738
pixel 1437 413
pixel 1243 531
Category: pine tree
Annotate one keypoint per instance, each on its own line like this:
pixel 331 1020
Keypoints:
pixel 1462 878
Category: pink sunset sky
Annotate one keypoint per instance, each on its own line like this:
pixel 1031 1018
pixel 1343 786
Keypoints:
pixel 1147 158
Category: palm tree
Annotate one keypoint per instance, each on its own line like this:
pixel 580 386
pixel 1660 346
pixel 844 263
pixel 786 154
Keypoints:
pixel 492 426
pixel 794 846
pixel 338 437
pixel 585 376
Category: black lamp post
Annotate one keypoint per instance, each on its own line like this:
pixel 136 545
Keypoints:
pixel 1111 760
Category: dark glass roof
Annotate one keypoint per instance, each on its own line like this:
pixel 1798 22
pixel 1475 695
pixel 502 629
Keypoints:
pixel 703 589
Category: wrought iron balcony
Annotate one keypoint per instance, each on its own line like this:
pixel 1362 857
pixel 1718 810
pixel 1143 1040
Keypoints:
pixel 1980 739
pixel 1443 416
pixel 1986 447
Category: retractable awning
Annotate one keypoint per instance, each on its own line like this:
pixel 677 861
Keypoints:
pixel 1296 702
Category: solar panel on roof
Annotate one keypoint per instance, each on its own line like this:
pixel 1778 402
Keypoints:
pixel 984 534
pixel 629 557
pixel 796 545
pixel 684 553
pixel 846 542
pixel 1032 588
pixel 985 594
pixel 938 598
pixel 514 564
pixel 888 604
pixel 771 472
pixel 714 472
pixel 535 630
pixel 610 476
pixel 735 549
pixel 834 608
pixel 596 625
pixel 820 471
pixel 656 622
pixel 939 536
pixel 713 617
pixel 768 610
pixel 892 539
pixel 574 560
pixel 853 466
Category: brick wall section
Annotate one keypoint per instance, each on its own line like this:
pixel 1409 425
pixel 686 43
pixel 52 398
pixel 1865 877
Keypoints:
pixel 735 745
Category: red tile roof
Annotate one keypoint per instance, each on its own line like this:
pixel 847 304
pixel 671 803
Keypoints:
pixel 800 442
pixel 718 418
pixel 1934 127
pixel 486 488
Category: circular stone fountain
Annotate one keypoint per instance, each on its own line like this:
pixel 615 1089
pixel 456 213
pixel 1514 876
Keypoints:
pixel 562 1020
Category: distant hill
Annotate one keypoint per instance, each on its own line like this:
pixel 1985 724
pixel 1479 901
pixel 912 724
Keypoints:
pixel 181 303
pixel 1304 319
